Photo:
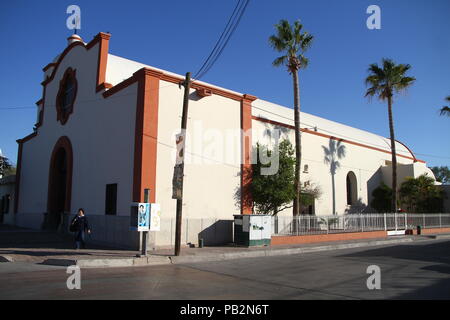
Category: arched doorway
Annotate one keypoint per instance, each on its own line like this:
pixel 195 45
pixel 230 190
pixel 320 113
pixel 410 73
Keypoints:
pixel 59 183
pixel 352 190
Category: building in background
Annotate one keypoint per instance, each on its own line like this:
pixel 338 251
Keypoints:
pixel 106 130
pixel 7 189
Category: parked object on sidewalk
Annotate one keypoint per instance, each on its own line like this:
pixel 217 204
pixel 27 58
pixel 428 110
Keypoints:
pixel 419 230
pixel 80 225
pixel 252 229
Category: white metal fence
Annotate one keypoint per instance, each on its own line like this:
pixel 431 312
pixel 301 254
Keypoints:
pixel 304 224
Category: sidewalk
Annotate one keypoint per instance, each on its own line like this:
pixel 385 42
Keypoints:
pixel 58 250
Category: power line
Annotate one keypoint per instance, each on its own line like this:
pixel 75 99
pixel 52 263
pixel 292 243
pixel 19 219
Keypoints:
pixel 222 42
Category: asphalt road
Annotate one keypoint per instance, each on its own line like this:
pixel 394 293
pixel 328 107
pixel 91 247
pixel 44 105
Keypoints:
pixel 419 270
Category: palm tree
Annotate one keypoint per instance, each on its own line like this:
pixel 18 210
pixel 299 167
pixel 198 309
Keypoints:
pixel 446 110
pixel 292 42
pixel 384 82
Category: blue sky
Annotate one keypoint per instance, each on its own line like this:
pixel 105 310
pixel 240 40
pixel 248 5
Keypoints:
pixel 178 36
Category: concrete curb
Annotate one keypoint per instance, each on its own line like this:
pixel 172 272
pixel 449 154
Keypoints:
pixel 109 263
pixel 164 260
pixel 6 258
pixel 435 236
pixel 281 252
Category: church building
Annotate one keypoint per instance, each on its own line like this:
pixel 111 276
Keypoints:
pixel 105 133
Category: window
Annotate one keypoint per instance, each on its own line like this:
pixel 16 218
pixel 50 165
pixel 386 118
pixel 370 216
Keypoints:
pixel 66 95
pixel 111 199
pixel 305 168
pixel 351 189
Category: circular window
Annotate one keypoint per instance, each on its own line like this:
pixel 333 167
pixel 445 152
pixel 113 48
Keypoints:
pixel 66 96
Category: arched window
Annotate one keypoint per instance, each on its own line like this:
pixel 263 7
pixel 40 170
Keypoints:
pixel 66 96
pixel 352 191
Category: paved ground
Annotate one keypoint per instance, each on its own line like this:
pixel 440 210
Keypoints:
pixel 25 245
pixel 416 270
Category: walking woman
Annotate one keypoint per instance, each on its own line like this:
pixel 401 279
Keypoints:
pixel 80 226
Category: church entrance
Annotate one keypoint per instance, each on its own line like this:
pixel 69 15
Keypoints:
pixel 59 186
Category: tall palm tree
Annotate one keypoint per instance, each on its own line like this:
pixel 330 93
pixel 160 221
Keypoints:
pixel 292 42
pixel 384 82
pixel 446 110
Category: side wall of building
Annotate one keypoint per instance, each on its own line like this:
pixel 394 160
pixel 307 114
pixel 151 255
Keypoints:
pixel 212 165
pixel 364 163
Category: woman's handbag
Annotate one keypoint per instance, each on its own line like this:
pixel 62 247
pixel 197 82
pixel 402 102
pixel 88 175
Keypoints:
pixel 73 226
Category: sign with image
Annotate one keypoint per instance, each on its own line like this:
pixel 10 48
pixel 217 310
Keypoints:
pixel 143 216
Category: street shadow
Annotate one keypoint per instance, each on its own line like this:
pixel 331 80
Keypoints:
pixel 437 272
pixel 47 253
pixel 424 252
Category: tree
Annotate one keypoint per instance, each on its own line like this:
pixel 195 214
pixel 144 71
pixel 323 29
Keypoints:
pixel 421 195
pixel 275 192
pixel 446 109
pixel 384 82
pixel 442 174
pixel 293 43
pixel 6 168
pixel 382 199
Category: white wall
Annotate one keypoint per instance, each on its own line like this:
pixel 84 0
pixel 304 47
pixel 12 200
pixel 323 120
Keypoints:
pixel 366 163
pixel 211 178
pixel 102 135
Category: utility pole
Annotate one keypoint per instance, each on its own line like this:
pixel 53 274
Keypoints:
pixel 187 87
pixel 144 249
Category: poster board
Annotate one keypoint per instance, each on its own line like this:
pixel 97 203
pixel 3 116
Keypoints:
pixel 143 216
pixel 155 217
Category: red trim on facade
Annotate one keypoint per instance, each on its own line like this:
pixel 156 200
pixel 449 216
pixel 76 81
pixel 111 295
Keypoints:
pixel 65 52
pixel 63 142
pixel 203 92
pixel 146 134
pixel 120 86
pixel 276 123
pixel 198 86
pixel 103 39
pixel 246 149
pixel 50 65
pixel 27 138
pixel 414 157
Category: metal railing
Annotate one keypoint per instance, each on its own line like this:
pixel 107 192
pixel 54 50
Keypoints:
pixel 305 224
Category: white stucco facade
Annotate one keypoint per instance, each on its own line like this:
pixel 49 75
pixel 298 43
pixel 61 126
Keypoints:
pixel 122 131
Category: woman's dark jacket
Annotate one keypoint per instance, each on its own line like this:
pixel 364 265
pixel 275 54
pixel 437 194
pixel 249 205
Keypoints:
pixel 80 223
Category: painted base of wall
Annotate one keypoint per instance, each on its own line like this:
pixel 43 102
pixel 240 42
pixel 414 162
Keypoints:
pixel 283 240
pixel 433 230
